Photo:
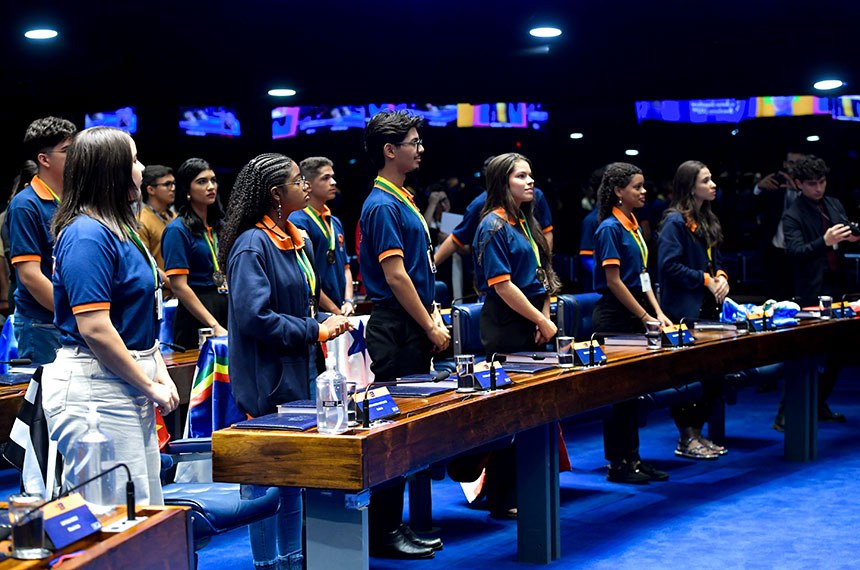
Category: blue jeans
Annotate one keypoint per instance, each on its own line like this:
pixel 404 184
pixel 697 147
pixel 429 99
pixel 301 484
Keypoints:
pixel 276 542
pixel 37 340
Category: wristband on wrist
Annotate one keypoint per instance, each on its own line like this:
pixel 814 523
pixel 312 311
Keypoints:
pixel 348 301
pixel 644 314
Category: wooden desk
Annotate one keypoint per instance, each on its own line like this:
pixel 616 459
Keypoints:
pixel 163 540
pixel 337 470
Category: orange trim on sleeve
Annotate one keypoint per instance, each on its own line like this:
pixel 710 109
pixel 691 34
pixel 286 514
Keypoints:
pixel 547 229
pixel 499 279
pixel 457 241
pixel 89 307
pixel 586 252
pixel 390 252
pixel 23 258
pixel 723 273
pixel 707 279
pixel 177 271
pixel 323 334
pixel 611 261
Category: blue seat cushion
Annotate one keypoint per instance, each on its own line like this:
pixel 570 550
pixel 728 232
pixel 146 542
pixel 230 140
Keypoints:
pixel 217 507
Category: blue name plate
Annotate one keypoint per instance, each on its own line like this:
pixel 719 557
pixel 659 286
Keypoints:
pixel 380 403
pixel 69 520
pixel 672 335
pixel 837 309
pixel 482 377
pixel 757 324
pixel 582 350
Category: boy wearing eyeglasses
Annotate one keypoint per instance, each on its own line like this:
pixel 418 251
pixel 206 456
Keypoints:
pixel 159 192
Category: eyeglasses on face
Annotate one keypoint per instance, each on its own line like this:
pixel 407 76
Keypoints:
pixel 171 184
pixel 300 181
pixel 416 143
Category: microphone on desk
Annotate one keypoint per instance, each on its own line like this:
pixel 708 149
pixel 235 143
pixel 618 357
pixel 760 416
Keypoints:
pixel 591 349
pixel 17 361
pixel 681 324
pixel 174 347
pixel 365 420
pixel 502 359
pixel 129 496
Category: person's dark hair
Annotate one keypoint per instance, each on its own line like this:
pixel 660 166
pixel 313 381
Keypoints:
pixel 151 174
pixel 497 173
pixel 45 133
pixel 311 166
pixel 251 199
pixel 185 175
pixel 809 167
pixel 97 181
pixel 702 221
pixel 387 127
pixel 617 175
pixel 28 170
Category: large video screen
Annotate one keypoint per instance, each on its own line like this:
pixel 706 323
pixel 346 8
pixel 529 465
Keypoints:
pixel 730 110
pixel 847 108
pixel 433 115
pixel 123 118
pixel 289 122
pixel 206 121
pixel 501 115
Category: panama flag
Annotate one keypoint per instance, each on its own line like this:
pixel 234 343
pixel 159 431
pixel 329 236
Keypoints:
pixel 350 350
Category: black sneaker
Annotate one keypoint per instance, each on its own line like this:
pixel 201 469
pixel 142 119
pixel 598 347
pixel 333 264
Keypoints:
pixel 825 414
pixel 624 473
pixel 652 473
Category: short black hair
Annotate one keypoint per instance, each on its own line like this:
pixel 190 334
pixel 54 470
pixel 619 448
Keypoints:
pixel 45 133
pixel 387 127
pixel 151 174
pixel 312 165
pixel 809 167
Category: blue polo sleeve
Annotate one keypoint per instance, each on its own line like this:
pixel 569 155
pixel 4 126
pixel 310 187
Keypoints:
pixel 386 239
pixel 174 249
pixel 542 212
pixel 87 273
pixel 607 242
pixel 25 227
pixel 465 231
pixel 493 257
pixel 670 253
pixel 252 312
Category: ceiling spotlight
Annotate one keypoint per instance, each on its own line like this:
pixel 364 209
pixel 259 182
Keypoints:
pixel 631 152
pixel 41 34
pixel 545 32
pixel 282 92
pixel 576 136
pixel 813 138
pixel 828 84
pixel 735 132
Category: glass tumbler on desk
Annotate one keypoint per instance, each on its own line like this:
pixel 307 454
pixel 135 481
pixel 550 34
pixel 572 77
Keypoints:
pixel 465 373
pixel 653 334
pixel 28 527
pixel 825 306
pixel 564 349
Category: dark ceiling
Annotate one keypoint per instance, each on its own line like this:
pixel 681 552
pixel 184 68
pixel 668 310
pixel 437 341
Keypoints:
pixel 194 52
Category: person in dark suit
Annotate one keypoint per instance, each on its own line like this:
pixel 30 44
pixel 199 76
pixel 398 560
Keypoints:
pixel 816 230
pixel 693 284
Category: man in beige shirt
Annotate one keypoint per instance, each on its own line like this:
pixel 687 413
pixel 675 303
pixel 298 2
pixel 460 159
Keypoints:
pixel 159 191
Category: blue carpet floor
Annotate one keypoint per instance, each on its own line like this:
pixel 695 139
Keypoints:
pixel 749 509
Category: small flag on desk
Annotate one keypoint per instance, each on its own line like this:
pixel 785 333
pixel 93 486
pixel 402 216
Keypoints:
pixel 350 350
pixel 211 406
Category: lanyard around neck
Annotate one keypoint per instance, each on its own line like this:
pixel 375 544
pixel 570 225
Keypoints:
pixel 135 239
pixel 640 243
pixel 532 241
pixel 307 269
pixel 212 241
pixel 328 231
pixel 48 188
pixel 387 186
pixel 165 219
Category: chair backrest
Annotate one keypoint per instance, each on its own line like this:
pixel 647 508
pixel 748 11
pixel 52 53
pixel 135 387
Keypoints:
pixel 165 327
pixel 443 294
pixel 574 314
pixel 466 320
pixel 8 343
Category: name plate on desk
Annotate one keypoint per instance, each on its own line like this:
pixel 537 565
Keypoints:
pixel 69 520
pixel 837 310
pixel 482 377
pixel 582 352
pixel 672 336
pixel 757 324
pixel 380 403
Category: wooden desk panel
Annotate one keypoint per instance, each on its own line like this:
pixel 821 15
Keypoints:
pixel 436 428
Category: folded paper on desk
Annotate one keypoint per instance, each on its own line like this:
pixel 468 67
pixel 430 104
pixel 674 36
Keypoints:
pixel 293 422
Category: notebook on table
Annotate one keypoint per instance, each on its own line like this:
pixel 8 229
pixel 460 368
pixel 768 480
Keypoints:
pixel 292 422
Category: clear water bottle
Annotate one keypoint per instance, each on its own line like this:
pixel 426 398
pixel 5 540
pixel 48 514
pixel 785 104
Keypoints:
pixel 331 399
pixel 94 454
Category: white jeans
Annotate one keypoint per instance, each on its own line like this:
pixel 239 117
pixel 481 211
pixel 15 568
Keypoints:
pixel 71 383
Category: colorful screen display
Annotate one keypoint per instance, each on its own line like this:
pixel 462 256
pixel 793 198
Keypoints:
pixel 123 118
pixel 205 121
pixel 501 115
pixel 288 122
pixel 731 110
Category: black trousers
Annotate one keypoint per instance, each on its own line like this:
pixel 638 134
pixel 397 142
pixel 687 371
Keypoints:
pixel 505 330
pixel 185 324
pixel 397 346
pixel 695 414
pixel 621 427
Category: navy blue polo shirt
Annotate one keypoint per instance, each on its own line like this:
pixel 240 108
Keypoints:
pixel 187 254
pixel 95 270
pixel 269 322
pixel 615 245
pixel 586 238
pixel 389 227
pixel 332 276
pixel 29 228
pixel 464 233
pixel 502 252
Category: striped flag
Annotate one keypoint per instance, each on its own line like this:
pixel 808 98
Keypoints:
pixel 30 449
pixel 211 406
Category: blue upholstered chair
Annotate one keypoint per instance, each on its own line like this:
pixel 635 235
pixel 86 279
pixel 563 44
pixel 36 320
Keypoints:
pixel 466 321
pixel 8 343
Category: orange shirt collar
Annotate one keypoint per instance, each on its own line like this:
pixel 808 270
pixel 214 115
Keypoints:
pixel 630 226
pixel 42 190
pixel 500 212
pixel 401 188
pixel 326 211
pixel 292 239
